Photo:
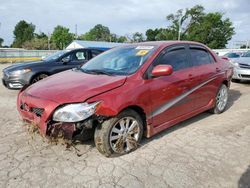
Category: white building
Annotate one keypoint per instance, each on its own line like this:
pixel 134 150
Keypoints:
pixel 93 44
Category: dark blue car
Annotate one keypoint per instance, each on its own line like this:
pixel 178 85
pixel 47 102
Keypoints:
pixel 21 74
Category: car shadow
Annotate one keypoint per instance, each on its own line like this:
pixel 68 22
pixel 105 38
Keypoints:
pixel 234 95
pixel 244 181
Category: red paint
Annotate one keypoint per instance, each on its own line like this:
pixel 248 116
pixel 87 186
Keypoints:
pixel 119 92
pixel 162 70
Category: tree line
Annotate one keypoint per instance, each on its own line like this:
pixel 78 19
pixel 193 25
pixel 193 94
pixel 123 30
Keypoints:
pixel 192 24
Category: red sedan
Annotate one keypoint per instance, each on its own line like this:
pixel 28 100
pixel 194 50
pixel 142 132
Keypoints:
pixel 129 91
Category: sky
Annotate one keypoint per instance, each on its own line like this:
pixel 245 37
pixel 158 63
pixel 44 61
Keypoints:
pixel 123 17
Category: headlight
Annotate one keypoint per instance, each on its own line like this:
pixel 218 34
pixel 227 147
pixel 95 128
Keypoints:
pixel 234 63
pixel 19 72
pixel 75 112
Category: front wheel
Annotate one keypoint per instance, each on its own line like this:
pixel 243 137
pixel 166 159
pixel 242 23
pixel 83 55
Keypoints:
pixel 221 100
pixel 119 135
pixel 38 77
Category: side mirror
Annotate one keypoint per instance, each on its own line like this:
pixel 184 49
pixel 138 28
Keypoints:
pixel 224 58
pixel 162 70
pixel 65 60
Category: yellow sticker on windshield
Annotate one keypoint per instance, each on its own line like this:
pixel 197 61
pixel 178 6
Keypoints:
pixel 142 52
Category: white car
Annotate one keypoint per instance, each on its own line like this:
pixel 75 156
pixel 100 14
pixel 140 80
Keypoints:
pixel 241 67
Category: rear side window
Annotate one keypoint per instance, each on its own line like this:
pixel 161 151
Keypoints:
pixel 200 57
pixel 176 58
pixel 79 56
pixel 95 53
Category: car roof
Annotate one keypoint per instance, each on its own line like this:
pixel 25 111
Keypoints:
pixel 164 43
pixel 92 48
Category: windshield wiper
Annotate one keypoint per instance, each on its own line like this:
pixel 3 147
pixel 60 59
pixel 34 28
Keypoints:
pixel 96 71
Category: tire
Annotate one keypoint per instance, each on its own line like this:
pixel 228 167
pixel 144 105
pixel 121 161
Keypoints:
pixel 116 136
pixel 221 100
pixel 38 78
pixel 235 80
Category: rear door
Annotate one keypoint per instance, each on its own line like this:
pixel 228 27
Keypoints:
pixel 169 95
pixel 206 73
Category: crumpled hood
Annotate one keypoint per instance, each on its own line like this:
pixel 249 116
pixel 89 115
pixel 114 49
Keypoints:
pixel 73 86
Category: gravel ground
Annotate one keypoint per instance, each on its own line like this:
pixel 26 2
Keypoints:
pixel 204 151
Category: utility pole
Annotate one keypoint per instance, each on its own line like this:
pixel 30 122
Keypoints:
pixel 179 32
pixel 49 35
pixel 76 31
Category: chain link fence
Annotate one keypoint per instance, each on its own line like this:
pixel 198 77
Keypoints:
pixel 19 55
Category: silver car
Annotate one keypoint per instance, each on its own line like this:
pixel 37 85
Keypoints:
pixel 241 67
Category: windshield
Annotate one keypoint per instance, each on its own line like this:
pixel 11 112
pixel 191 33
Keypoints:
pixel 119 61
pixel 232 55
pixel 55 56
pixel 247 54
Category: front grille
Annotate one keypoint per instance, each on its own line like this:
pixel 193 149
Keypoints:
pixel 245 76
pixel 37 111
pixel 244 66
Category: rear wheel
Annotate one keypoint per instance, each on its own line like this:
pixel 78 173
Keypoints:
pixel 38 77
pixel 221 100
pixel 119 135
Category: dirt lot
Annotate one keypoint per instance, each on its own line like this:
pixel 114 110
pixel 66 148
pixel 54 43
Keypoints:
pixel 205 151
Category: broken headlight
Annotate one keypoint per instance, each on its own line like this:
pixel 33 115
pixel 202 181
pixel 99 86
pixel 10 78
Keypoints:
pixel 75 112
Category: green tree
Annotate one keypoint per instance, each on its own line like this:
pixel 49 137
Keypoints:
pixel 122 39
pixel 151 34
pixel 36 44
pixel 40 35
pixel 97 33
pixel 212 30
pixel 196 25
pixel 183 20
pixel 160 34
pixel 23 32
pixel 1 42
pixel 137 37
pixel 61 37
pixel 244 46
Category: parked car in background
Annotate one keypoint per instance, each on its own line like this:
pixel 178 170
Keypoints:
pixel 129 91
pixel 232 55
pixel 20 74
pixel 241 68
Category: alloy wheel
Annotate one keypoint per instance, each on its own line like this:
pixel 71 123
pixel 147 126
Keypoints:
pixel 222 98
pixel 124 135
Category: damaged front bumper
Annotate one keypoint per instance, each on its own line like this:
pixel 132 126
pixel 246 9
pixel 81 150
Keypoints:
pixel 38 112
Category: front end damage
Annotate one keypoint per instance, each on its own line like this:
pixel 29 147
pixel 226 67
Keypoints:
pixel 79 131
pixel 38 114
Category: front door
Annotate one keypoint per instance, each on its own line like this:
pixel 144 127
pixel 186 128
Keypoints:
pixel 170 95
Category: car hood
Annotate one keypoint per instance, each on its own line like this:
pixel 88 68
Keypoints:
pixel 18 66
pixel 245 60
pixel 73 86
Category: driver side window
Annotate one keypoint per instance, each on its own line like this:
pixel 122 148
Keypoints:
pixel 177 58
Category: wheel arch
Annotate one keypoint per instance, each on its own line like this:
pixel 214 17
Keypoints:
pixel 38 73
pixel 226 82
pixel 140 112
